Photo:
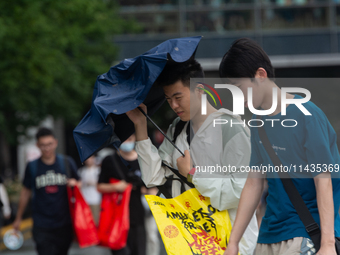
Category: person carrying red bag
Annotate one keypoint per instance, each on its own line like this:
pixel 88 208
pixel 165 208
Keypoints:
pixel 46 180
pixel 113 168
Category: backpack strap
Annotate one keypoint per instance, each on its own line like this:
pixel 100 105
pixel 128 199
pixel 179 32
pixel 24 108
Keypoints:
pixel 190 133
pixel 64 164
pixel 33 169
pixel 178 129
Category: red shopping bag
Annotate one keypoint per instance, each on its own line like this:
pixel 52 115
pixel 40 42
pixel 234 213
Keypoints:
pixel 82 219
pixel 114 220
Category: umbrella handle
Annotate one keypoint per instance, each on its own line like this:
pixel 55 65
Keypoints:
pixel 160 130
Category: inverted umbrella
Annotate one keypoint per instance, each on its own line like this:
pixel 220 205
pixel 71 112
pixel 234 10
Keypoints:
pixel 123 88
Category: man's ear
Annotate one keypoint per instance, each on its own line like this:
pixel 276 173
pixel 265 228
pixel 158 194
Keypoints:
pixel 261 74
pixel 199 89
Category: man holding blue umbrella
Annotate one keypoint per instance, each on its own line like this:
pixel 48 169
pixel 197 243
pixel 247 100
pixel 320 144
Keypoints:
pixel 123 88
pixel 118 92
pixel 224 193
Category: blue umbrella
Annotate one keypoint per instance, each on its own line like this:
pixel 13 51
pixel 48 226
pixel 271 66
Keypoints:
pixel 123 88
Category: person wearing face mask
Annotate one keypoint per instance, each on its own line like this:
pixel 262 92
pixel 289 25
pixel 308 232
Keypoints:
pixel 136 242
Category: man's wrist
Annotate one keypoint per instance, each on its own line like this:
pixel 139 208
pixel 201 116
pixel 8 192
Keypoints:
pixel 142 124
pixel 233 243
pixel 141 131
pixel 328 241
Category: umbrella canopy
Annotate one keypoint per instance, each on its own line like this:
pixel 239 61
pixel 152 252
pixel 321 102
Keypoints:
pixel 123 88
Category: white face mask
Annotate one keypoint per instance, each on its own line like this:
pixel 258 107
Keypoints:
pixel 127 146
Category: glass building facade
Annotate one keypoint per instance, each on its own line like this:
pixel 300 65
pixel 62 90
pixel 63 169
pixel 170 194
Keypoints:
pixel 293 32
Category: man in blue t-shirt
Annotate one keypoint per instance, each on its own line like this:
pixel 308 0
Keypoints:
pixel 309 147
pixel 45 180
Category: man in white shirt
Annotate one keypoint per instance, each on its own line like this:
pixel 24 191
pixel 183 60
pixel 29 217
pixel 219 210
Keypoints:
pixel 210 146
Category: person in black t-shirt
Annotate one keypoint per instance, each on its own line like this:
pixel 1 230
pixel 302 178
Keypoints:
pixel 46 179
pixel 113 167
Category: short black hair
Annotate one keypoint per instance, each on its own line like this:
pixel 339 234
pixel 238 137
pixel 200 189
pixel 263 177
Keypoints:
pixel 243 59
pixel 174 72
pixel 43 131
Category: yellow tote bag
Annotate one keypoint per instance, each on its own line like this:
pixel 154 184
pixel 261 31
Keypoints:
pixel 189 224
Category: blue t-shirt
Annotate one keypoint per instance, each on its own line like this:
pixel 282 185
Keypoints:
pixel 311 141
pixel 50 207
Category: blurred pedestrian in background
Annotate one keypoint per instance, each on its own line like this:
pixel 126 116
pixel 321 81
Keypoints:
pixel 89 177
pixel 5 208
pixel 136 241
pixel 45 180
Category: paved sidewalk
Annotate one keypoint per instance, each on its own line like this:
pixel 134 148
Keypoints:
pixel 28 246
pixel 28 249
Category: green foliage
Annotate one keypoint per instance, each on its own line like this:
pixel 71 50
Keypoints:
pixel 50 55
pixel 13 188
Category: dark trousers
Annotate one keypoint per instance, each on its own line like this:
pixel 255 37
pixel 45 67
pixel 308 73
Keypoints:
pixel 53 241
pixel 136 242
